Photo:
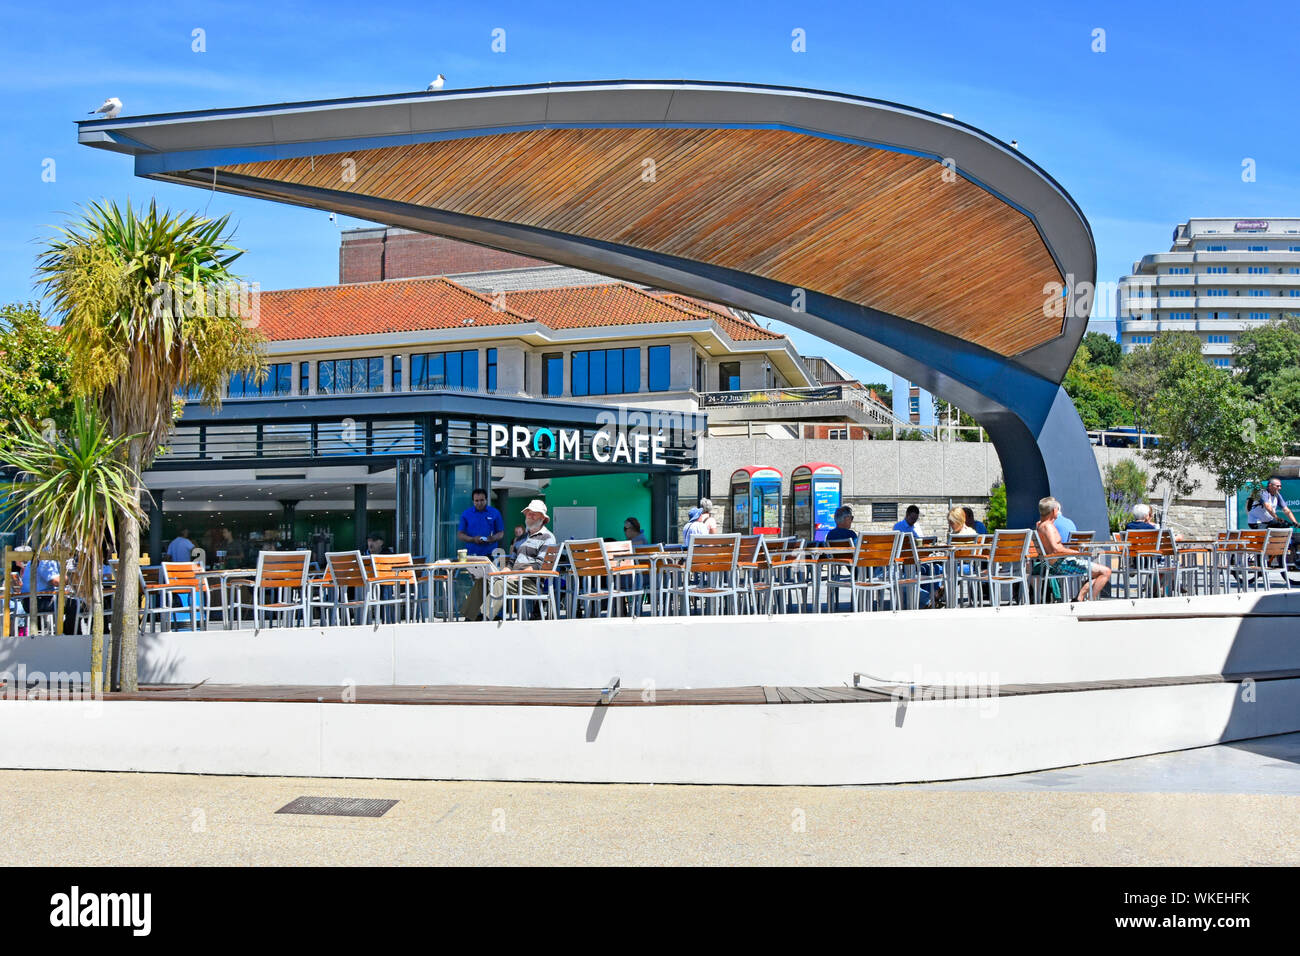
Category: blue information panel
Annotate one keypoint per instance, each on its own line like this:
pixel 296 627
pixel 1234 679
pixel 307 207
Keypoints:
pixel 826 498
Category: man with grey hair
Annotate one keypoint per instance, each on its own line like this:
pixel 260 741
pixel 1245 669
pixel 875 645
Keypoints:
pixel 1141 519
pixel 706 516
pixel 1065 560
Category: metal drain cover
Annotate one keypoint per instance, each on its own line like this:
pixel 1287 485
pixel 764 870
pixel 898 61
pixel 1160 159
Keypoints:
pixel 339 806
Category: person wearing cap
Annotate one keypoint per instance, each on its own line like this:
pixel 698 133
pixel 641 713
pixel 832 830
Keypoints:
pixel 530 552
pixel 694 525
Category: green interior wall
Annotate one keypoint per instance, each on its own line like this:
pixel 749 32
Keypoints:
pixel 615 498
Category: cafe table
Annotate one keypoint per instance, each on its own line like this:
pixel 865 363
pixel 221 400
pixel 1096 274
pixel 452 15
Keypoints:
pixel 444 571
pixel 224 577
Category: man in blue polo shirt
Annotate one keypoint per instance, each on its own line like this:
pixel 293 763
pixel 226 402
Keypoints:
pixel 481 526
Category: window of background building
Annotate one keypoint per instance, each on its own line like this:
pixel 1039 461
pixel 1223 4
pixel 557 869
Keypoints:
pixel 1179 270
pixel 837 434
pixel 491 370
pixel 1257 270
pixel 1216 248
pixel 699 373
pixel 1293 293
pixel 660 370
pixel 553 374
pixel 1259 316
pixel 606 371
pixel 304 378
pixel 1258 292
pixel 1216 291
pixel 1217 270
pixel 1223 363
pixel 397 373
pixel 1218 339
pixel 1141 340
pixel 339 376
pixel 445 370
pixel 278 381
pixel 1180 316
pixel 1257 248
pixel 729 376
pixel 1180 293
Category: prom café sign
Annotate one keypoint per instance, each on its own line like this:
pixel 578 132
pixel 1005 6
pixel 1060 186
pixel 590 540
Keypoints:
pixel 612 444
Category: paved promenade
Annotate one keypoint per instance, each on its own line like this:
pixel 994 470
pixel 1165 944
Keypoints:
pixel 1233 804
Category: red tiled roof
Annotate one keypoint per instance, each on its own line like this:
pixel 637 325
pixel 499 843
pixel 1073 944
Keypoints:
pixel 371 308
pixel 617 303
pixel 404 305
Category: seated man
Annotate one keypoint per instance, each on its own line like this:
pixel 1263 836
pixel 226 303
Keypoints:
pixel 1141 519
pixel 1063 560
pixel 842 535
pixel 530 553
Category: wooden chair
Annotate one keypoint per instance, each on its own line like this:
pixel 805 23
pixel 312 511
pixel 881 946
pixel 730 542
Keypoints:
pixel 280 587
pixel 405 586
pixel 1277 547
pixel 181 580
pixel 1145 559
pixel 592 580
pixel 710 573
pixel 875 569
pixel 1004 564
pixel 917 575
pixel 789 570
pixel 1044 573
pixel 546 577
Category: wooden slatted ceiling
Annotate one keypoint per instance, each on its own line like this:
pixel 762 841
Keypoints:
pixel 874 227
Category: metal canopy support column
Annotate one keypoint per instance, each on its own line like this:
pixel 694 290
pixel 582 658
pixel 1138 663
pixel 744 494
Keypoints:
pixel 156 526
pixel 359 507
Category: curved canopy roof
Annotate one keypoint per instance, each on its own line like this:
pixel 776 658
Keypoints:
pixel 902 212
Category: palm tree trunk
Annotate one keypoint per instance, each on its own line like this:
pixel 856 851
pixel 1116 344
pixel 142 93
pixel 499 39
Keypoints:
pixel 97 633
pixel 128 588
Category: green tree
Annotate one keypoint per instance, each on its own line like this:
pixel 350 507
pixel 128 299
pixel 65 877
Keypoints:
pixel 35 372
pixel 1265 352
pixel 1126 484
pixel 996 515
pixel 884 392
pixel 1283 395
pixel 1141 370
pixel 142 321
pixel 1206 417
pixel 946 413
pixel 1102 349
pixel 1096 392
pixel 70 484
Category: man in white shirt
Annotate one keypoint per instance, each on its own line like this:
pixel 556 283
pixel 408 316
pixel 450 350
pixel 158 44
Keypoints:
pixel 1265 512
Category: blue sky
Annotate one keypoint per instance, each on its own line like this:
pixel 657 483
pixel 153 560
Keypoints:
pixel 1141 135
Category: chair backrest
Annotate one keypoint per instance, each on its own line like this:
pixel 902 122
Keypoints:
pixel 1082 537
pixel 550 559
pixel 619 553
pixel 645 549
pixel 587 557
pixel 346 568
pixel 282 569
pixel 776 545
pixel 1254 540
pixel 878 549
pixel 751 549
pixel 1277 543
pixel 1168 543
pixel 1142 541
pixel 385 566
pixel 712 553
pixel 183 573
pixel 1011 546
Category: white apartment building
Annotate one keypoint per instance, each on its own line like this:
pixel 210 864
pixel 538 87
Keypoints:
pixel 1220 277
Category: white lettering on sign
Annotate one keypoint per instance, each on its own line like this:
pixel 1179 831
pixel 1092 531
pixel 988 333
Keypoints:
pixel 500 437
pixel 519 442
pixel 614 444
pixel 570 443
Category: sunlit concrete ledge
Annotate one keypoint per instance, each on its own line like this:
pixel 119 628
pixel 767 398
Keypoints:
pixel 848 743
pixel 1110 640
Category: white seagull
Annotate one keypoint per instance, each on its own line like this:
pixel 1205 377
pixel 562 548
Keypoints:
pixel 437 83
pixel 112 106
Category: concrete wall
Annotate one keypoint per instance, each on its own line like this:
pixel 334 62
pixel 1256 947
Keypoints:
pixel 927 474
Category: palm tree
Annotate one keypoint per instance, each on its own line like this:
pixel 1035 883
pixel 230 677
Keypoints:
pixel 71 485
pixel 144 323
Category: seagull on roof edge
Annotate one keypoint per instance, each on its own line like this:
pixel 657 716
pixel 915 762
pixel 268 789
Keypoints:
pixel 437 83
pixel 111 107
